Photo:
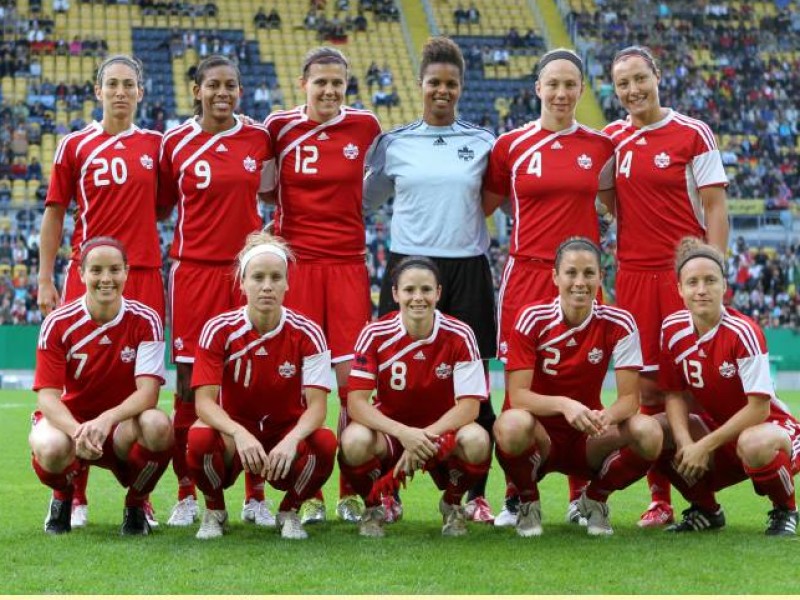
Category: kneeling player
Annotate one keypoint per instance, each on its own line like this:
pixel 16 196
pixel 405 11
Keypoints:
pixel 99 368
pixel 261 378
pixel 428 375
pixel 720 356
pixel 557 358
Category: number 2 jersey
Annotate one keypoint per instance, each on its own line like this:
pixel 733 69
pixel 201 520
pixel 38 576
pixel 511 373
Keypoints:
pixel 96 365
pixel 417 381
pixel 114 181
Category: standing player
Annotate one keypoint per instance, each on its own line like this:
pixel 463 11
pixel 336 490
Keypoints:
pixel 212 167
pixel 433 168
pixel 720 356
pixel 558 356
pixel 99 367
pixel 551 170
pixel 109 170
pixel 320 149
pixel 261 381
pixel 426 370
pixel 670 183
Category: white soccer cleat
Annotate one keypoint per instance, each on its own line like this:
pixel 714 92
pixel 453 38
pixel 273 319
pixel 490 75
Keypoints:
pixel 184 513
pixel 213 524
pixel 529 519
pixel 454 519
pixel 596 514
pixel 508 516
pixel 350 509
pixel 80 516
pixel 574 516
pixel 290 526
pixel 259 513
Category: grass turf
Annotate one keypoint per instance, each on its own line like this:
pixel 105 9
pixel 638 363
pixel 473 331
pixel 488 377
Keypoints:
pixel 412 559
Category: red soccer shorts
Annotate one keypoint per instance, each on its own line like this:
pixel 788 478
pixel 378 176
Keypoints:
pixel 567 453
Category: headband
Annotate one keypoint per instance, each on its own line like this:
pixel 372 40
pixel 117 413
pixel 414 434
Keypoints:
pixel 262 249
pixel 559 55
pixel 701 254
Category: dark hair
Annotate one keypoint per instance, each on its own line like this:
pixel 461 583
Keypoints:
pixel 123 59
pixel 576 244
pixel 559 54
pixel 692 247
pixel 640 51
pixel 414 262
pixel 441 49
pixel 324 55
pixel 95 242
pixel 215 60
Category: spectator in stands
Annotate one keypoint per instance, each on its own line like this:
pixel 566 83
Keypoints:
pixel 274 19
pixel 260 20
pixel 460 17
pixel 19 168
pixel 373 74
pixel 385 77
pixel 60 6
pixel 352 86
pixel 360 22
pixel 211 9
pixel 75 46
pixel 34 170
pixel 262 98
pixel 473 15
pixel 5 195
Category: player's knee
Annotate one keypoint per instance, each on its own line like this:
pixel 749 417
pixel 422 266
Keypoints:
pixel 357 443
pixel 512 430
pixel 646 435
pixel 52 452
pixel 756 446
pixel 473 442
pixel 156 428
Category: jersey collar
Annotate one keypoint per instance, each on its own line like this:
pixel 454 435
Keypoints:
pixel 657 125
pixel 571 330
pixel 269 334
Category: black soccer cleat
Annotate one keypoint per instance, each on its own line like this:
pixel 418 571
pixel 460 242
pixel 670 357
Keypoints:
pixel 781 521
pixel 697 519
pixel 58 517
pixel 134 521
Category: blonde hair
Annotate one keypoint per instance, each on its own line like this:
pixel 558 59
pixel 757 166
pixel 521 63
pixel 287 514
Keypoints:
pixel 692 247
pixel 259 238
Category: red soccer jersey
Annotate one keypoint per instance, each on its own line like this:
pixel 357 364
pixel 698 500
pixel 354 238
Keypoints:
pixel 721 368
pixel 113 180
pixel 215 180
pixel 552 179
pixel 572 361
pixel 320 175
pixel 262 376
pixel 660 171
pixel 417 381
pixel 97 365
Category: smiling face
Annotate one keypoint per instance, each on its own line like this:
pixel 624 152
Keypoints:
pixel 119 92
pixel 559 87
pixel 441 89
pixel 702 287
pixel 578 279
pixel 324 85
pixel 218 93
pixel 636 86
pixel 264 283
pixel 104 273
pixel 417 293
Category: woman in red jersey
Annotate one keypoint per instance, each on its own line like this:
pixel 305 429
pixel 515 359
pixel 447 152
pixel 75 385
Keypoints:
pixel 720 356
pixel 669 183
pixel 558 356
pixel 261 379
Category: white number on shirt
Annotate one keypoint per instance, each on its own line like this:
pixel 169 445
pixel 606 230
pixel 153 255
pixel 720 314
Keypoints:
pixel 117 167
pixel 247 371
pixel 624 167
pixel 203 171
pixel 81 357
pixel 398 380
pixel 305 158
pixel 535 166
pixel 551 361
pixel 693 371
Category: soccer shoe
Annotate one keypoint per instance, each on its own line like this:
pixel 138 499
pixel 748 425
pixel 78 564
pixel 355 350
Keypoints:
pixel 508 516
pixel 393 509
pixel 350 509
pixel 372 522
pixel 290 525
pixel 213 524
pixel 184 513
pixel 134 521
pixel 657 514
pixel 58 517
pixel 312 512
pixel 697 519
pixel 80 516
pixel 259 513
pixel 574 516
pixel 596 515
pixel 781 521
pixel 150 514
pixel 528 519
pixel 454 519
pixel 479 511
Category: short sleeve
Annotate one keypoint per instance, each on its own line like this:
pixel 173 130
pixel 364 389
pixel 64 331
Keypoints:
pixel 167 193
pixel 317 370
pixel 498 173
pixel 521 349
pixel 627 351
pixel 706 164
pixel 51 360
pixel 755 375
pixel 150 360
pixel 378 185
pixel 209 359
pixel 62 176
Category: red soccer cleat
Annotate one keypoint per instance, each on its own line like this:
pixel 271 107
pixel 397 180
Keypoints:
pixel 657 514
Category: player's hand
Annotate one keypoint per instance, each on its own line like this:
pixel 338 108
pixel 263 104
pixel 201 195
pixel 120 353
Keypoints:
pixel 583 418
pixel 88 446
pixel 692 461
pixel 48 296
pixel 251 452
pixel 280 459
pixel 418 443
pixel 407 463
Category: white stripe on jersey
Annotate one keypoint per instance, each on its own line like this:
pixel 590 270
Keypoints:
pixel 437 320
pixel 50 320
pixel 170 134
pixel 464 332
pixel 100 330
pixel 617 315
pixel 535 128
pixel 310 133
pixel 700 127
pixel 744 331
pixel 501 294
pixel 62 145
pixel 192 133
pixel 216 323
pixel 375 329
pixel 531 315
pixel 309 327
pixel 148 314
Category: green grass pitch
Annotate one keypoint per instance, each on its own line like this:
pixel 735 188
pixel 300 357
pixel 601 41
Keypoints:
pixel 412 559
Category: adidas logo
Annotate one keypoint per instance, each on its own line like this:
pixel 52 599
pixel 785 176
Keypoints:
pixel 571 342
pixel 119 146
pixel 419 355
pixel 323 136
pixel 641 142
pixel 105 340
pixel 221 148
pixel 261 351
pixel 556 146
pixel 439 141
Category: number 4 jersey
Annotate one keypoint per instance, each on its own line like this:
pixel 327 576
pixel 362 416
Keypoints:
pixel 113 180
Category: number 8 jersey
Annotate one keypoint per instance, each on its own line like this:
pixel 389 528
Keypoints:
pixel 113 179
